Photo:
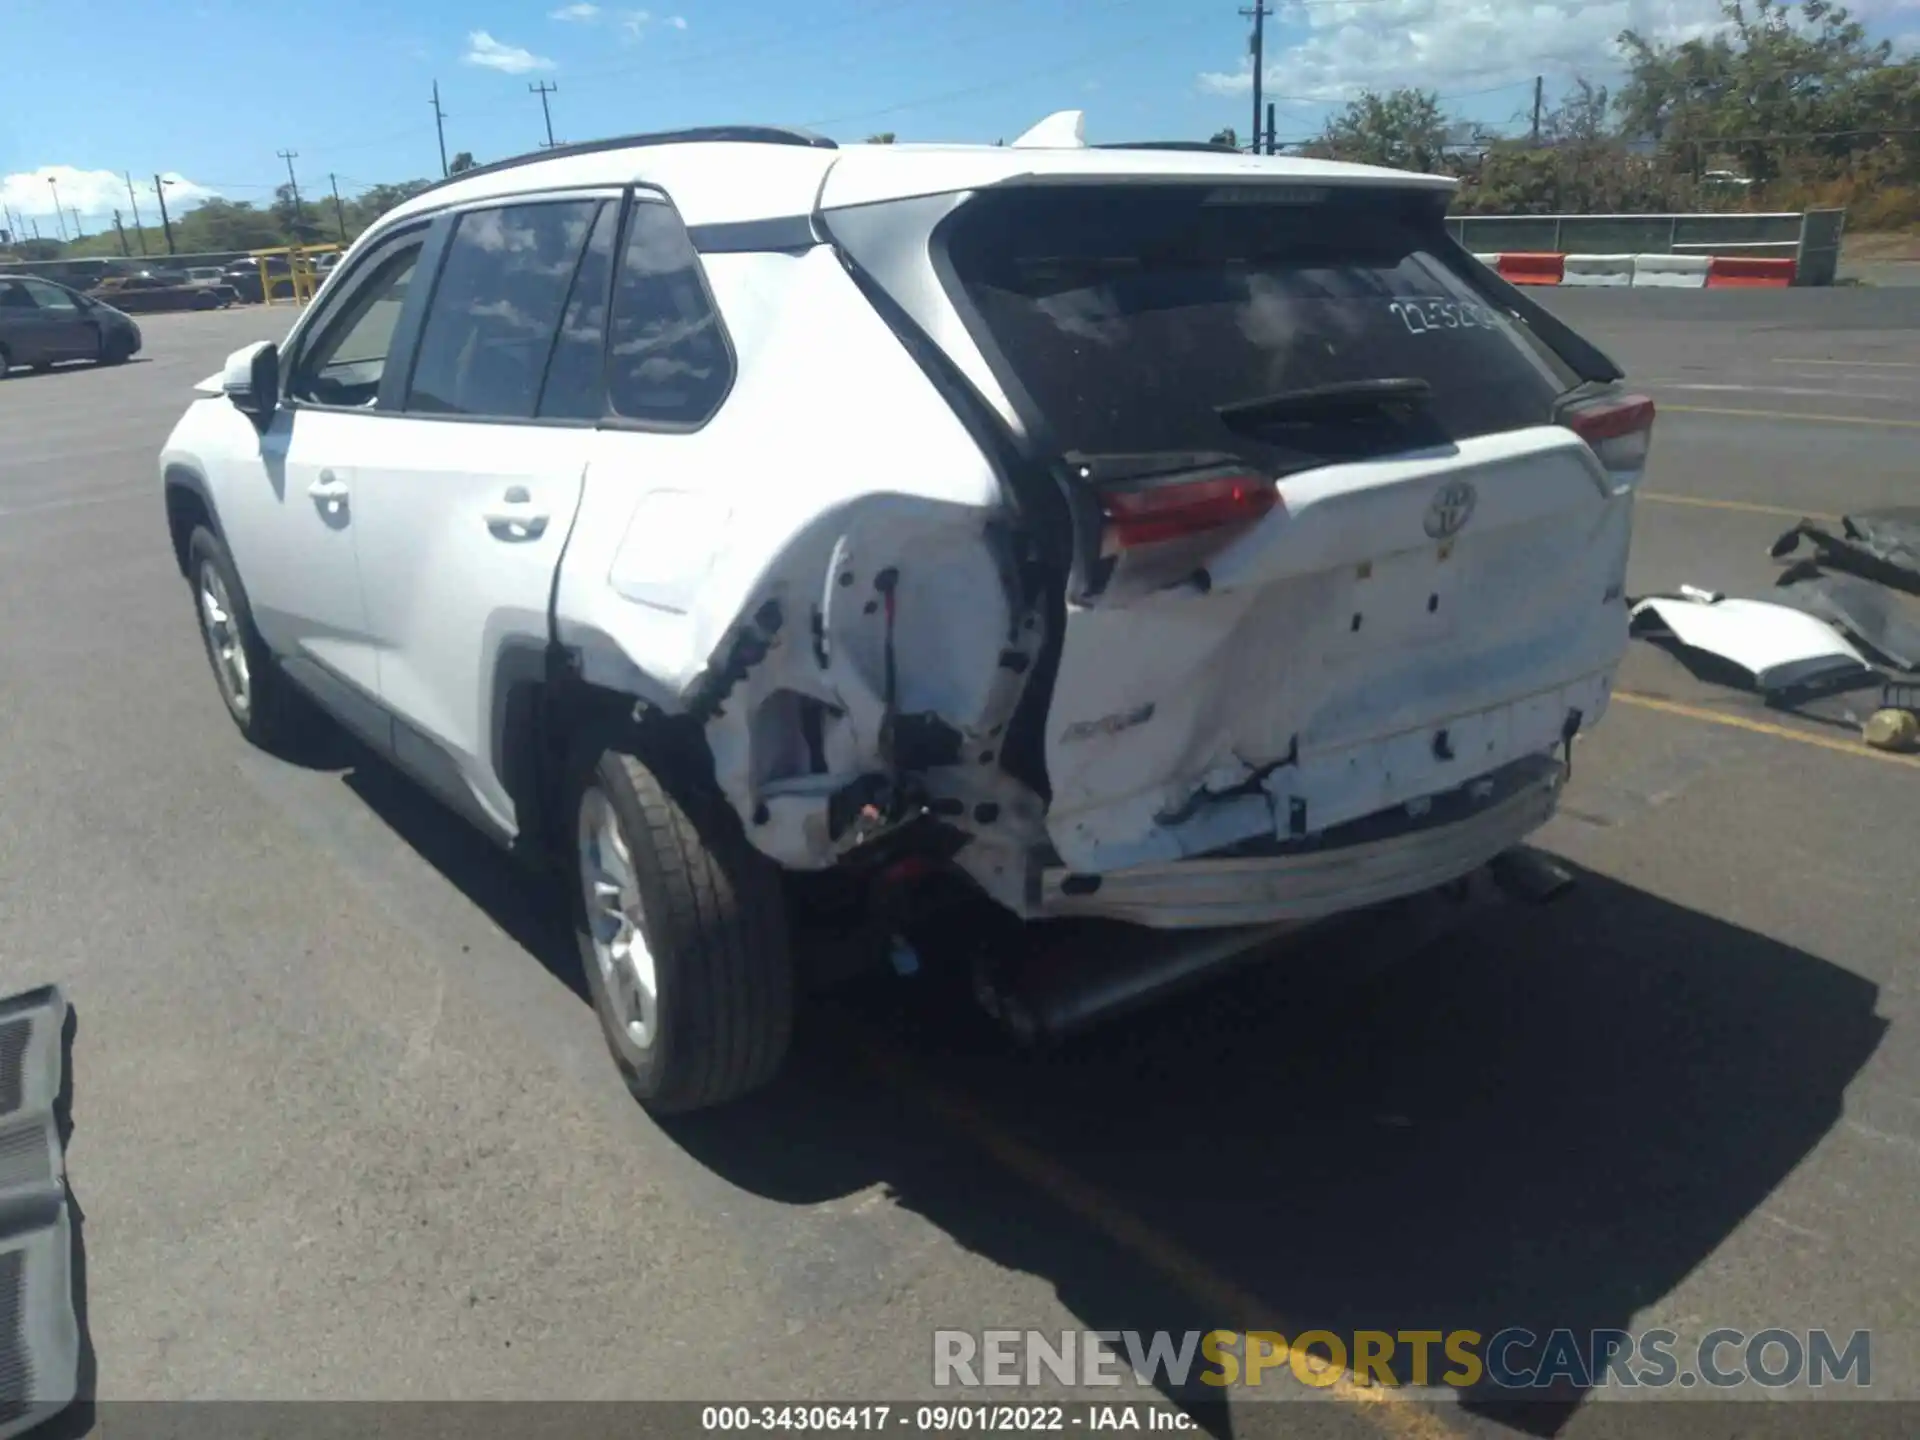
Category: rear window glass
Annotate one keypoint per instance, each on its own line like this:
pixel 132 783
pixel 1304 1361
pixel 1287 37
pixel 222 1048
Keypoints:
pixel 1130 314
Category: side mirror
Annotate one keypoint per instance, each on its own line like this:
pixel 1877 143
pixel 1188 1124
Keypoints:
pixel 252 381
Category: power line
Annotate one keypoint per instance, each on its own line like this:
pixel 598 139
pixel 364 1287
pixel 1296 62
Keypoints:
pixel 292 184
pixel 1258 14
pixel 543 90
pixel 440 128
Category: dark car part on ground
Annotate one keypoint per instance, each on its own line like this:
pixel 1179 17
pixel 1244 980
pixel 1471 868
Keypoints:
pixel 41 1347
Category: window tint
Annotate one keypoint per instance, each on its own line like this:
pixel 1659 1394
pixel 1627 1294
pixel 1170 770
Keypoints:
pixel 345 364
pixel 496 308
pixel 1131 314
pixel 668 361
pixel 50 297
pixel 14 296
pixel 575 388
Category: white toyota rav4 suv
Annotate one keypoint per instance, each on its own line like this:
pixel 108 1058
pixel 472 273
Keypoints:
pixel 1155 533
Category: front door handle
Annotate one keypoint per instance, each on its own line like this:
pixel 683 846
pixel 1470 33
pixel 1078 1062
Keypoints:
pixel 330 491
pixel 516 517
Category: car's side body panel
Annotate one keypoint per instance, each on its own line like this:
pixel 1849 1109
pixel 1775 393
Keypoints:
pixel 742 572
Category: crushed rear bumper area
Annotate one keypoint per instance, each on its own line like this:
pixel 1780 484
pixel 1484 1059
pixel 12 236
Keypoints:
pixel 1367 862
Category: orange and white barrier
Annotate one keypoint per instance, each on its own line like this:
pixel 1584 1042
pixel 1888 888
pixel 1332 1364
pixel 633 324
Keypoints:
pixel 1674 272
pixel 1671 272
pixel 1614 270
pixel 1747 272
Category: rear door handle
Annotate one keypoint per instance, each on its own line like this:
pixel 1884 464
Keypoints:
pixel 330 491
pixel 516 517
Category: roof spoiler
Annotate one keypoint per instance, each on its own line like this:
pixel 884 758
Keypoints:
pixel 1062 130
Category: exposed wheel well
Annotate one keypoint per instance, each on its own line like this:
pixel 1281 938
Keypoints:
pixel 545 723
pixel 187 509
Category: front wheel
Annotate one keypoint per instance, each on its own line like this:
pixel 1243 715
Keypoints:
pixel 682 928
pixel 262 701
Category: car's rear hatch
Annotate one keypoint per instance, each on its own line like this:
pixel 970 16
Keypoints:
pixel 1339 542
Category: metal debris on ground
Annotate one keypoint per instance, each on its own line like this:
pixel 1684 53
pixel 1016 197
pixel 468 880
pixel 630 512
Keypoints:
pixel 1864 578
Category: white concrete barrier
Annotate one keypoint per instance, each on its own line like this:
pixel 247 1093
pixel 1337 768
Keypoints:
pixel 1492 262
pixel 1674 272
pixel 1599 270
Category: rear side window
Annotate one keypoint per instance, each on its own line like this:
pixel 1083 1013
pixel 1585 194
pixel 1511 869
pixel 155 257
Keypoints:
pixel 1131 315
pixel 497 307
pixel 668 361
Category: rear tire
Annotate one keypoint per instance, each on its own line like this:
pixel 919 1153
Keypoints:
pixel 263 703
pixel 683 934
pixel 6 362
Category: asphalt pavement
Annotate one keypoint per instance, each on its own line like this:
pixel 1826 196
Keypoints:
pixel 344 1128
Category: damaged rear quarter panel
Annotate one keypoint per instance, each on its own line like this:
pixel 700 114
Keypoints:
pixel 740 571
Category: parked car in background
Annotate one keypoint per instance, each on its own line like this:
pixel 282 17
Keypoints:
pixel 244 277
pixel 140 293
pixel 42 324
pixel 205 274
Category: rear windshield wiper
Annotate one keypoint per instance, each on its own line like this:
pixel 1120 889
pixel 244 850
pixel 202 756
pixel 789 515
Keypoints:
pixel 1320 402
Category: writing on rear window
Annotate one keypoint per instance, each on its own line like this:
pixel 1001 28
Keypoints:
pixel 1421 316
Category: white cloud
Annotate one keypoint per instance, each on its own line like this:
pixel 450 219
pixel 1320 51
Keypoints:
pixel 1466 45
pixel 633 23
pixel 96 194
pixel 582 13
pixel 678 22
pixel 484 50
pixel 1451 45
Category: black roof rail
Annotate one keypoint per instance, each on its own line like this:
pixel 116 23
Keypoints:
pixel 1206 145
pixel 707 134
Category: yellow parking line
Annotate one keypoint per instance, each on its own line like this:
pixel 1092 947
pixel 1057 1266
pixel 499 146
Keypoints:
pixel 1764 727
pixel 1851 364
pixel 1789 415
pixel 1234 1306
pixel 1745 506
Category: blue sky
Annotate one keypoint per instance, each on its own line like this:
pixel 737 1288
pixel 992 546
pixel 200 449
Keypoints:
pixel 206 91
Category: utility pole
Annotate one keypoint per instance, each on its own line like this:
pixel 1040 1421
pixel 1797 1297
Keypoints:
pixel 58 213
pixel 1258 14
pixel 339 215
pixel 440 126
pixel 125 249
pixel 160 191
pixel 543 90
pixel 1270 130
pixel 138 228
pixel 1539 96
pixel 294 185
pixel 78 233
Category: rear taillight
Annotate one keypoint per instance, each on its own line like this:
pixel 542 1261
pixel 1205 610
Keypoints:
pixel 1618 427
pixel 1179 509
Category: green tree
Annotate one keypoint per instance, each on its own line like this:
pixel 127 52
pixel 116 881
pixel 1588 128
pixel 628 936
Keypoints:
pixel 1226 136
pixel 1405 129
pixel 1776 80
pixel 461 162
pixel 885 137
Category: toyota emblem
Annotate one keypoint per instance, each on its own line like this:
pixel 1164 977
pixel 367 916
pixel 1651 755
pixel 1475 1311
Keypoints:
pixel 1450 510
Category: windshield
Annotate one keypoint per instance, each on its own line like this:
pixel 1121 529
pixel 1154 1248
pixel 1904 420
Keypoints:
pixel 1133 315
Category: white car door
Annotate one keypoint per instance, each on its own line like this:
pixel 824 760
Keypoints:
pixel 461 519
pixel 286 500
